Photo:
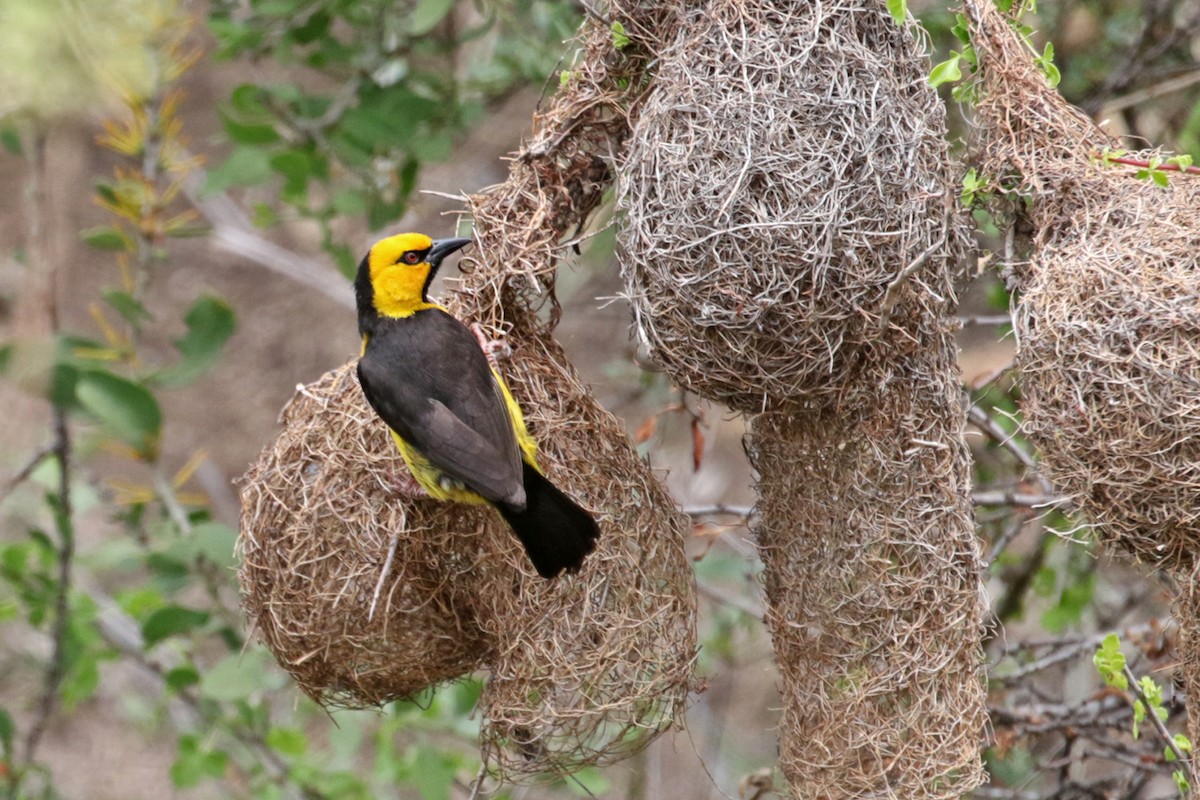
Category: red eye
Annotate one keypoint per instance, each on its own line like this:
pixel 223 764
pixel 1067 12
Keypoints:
pixel 411 257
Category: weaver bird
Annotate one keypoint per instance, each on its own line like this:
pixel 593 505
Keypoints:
pixel 457 426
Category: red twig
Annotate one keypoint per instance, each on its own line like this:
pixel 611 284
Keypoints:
pixel 1142 164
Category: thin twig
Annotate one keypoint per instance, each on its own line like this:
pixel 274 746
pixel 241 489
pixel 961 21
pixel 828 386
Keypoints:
pixel 1159 725
pixel 892 295
pixel 61 449
pixel 64 525
pixel 998 497
pixel 1000 436
pixel 23 474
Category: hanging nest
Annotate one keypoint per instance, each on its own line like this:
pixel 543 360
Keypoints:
pixel 787 166
pixel 584 669
pixel 1187 673
pixel 363 596
pixel 871 566
pixel 1108 317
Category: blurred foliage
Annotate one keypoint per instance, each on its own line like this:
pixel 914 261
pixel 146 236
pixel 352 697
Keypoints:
pixel 398 83
pixel 344 103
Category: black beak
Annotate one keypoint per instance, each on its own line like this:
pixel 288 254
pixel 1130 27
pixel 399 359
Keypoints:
pixel 442 248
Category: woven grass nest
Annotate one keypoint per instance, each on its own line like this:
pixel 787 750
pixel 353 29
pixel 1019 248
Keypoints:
pixel 1108 318
pixel 366 596
pixel 787 166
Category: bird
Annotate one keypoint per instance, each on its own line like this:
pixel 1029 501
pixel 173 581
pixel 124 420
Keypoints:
pixel 457 426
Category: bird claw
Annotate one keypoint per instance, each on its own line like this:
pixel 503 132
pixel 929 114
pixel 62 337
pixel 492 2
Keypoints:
pixel 494 349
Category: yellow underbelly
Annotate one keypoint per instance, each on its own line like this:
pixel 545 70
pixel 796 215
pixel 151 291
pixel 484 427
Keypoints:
pixel 441 486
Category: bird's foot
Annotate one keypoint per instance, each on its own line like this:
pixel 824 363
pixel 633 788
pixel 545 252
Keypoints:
pixel 494 349
pixel 403 483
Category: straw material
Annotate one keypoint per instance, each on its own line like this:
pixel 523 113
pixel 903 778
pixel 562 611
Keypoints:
pixel 791 244
pixel 584 669
pixel 1108 316
pixel 785 169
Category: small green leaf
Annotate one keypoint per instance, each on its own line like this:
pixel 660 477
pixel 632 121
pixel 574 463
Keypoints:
pixel 946 72
pixel 434 776
pixel 264 216
pixel 215 542
pixel 1160 178
pixel 11 141
pixel 127 410
pixel 196 762
pixel 1110 662
pixel 233 678
pixel 170 621
pixel 620 38
pixel 899 10
pixel 1052 73
pixel 294 166
pixel 961 29
pixel 210 322
pixel 124 304
pixel 314 28
pixel 349 202
pixel 246 100
pixel 289 741
pixel 105 237
pixel 248 132
pixel 181 678
pixel 1181 782
pixel 247 165
pixel 427 14
pixel 6 731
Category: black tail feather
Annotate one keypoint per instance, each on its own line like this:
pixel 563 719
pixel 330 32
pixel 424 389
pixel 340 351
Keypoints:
pixel 556 532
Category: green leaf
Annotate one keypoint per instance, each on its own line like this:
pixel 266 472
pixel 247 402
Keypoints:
pixel 1160 178
pixel 314 28
pixel 11 141
pixel 181 678
pixel 210 322
pixel 899 10
pixel 349 202
pixel 127 410
pixel 124 304
pixel 170 621
pixel 248 132
pixel 946 72
pixel 435 772
pixel 7 729
pixel 105 237
pixel 1110 662
pixel 295 168
pixel 247 165
pixel 246 100
pixel 215 542
pixel 427 15
pixel 233 678
pixel 961 29
pixel 620 38
pixel 196 762
pixel 289 741
pixel 1181 782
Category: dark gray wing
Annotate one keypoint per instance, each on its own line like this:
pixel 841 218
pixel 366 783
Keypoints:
pixel 428 380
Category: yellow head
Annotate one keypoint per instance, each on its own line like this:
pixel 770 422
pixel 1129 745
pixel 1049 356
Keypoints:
pixel 393 280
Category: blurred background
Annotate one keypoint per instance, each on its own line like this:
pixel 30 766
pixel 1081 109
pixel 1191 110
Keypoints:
pixel 188 187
